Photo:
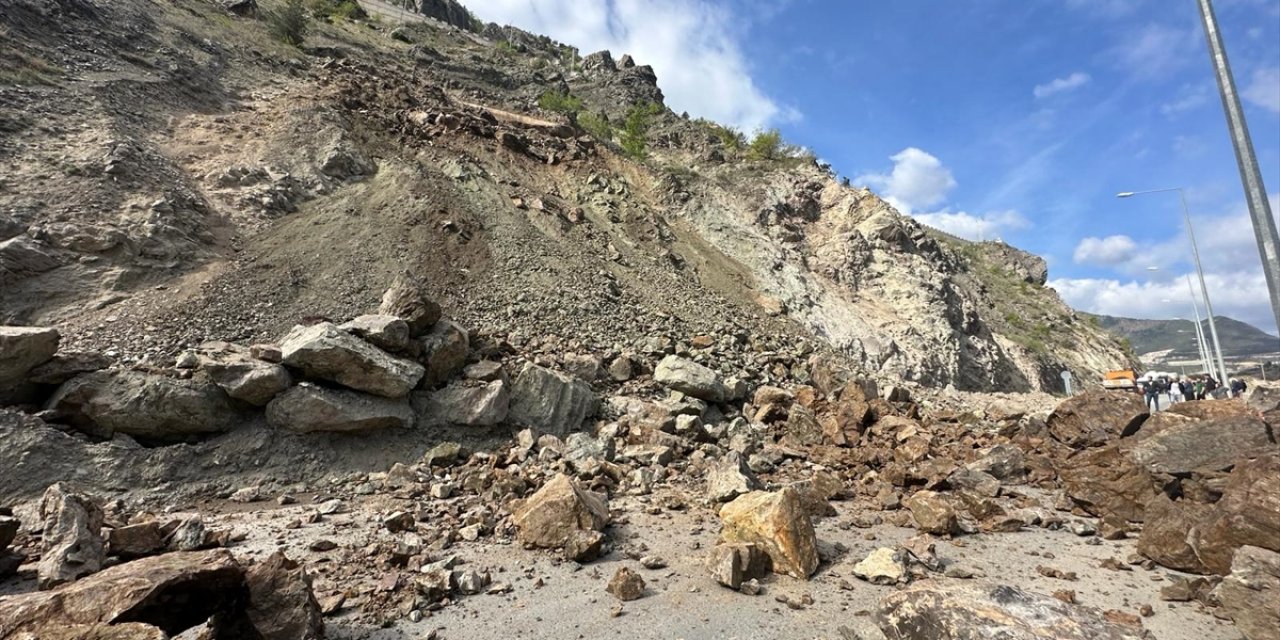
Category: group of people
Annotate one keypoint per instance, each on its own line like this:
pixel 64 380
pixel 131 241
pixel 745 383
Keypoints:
pixel 1179 390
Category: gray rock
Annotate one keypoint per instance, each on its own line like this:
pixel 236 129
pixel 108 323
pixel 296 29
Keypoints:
pixel 444 351
pixel 23 349
pixel 407 299
pixel 65 366
pixel 308 407
pixel 583 367
pixel 732 563
pixel 1250 596
pixel 933 610
pixel 252 381
pixel 73 544
pixel 383 331
pixel 1204 445
pixel 983 484
pixel 23 257
pixel 551 402
pixel 471 406
pixel 485 371
pixel 103 403
pixel 8 531
pixel 135 540
pixel 324 352
pixel 622 368
pixel 730 477
pixel 1003 461
pixel 690 377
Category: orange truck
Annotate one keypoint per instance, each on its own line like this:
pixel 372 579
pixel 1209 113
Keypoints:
pixel 1120 380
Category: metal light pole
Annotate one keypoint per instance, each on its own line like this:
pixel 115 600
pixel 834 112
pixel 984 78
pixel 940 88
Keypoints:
pixel 1221 373
pixel 1204 347
pixel 1264 226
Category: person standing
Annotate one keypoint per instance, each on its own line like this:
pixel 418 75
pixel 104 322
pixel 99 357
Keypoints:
pixel 1153 394
pixel 1199 389
pixel 1175 392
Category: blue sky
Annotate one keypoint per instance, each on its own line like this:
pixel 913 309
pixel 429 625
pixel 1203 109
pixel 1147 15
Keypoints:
pixel 1010 119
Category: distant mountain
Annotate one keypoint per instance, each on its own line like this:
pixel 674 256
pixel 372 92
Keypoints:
pixel 1239 340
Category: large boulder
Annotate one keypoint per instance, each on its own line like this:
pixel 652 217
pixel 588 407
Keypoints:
pixel 281 603
pixel 144 405
pixel 1247 514
pixel 1250 596
pixel 1105 481
pixel 691 378
pixel 72 538
pixel 551 402
pixel 562 515
pixel 1097 417
pixel 244 378
pixel 483 405
pixel 1265 399
pixel 933 610
pixel 778 523
pixel 383 331
pixel 1167 526
pixel 308 407
pixel 444 351
pixel 933 512
pixel 1204 446
pixel 730 477
pixel 407 299
pixel 23 349
pixel 324 352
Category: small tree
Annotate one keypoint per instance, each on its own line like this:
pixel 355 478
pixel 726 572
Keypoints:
pixel 288 24
pixel 766 145
pixel 598 126
pixel 559 102
pixel 636 128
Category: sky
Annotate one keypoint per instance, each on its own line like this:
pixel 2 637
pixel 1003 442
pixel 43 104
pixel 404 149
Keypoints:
pixel 1017 120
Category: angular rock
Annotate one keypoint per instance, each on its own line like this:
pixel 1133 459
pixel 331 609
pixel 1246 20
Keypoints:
pixel 883 566
pixel 1106 481
pixel 778 524
pixel 1003 461
pixel 626 585
pixel 691 378
pixel 307 407
pixel 8 531
pixel 383 331
pixel 558 514
pixel 550 402
pixel 282 605
pixel 323 352
pixel 731 564
pixel 72 539
pixel 252 381
pixel 444 352
pixel 1250 596
pixel 583 367
pixel 23 349
pixel 139 404
pixel 485 371
pixel 622 369
pixel 1204 446
pixel 1165 531
pixel 471 406
pixel 932 512
pixel 1248 514
pixel 67 365
pixel 978 482
pixel 23 257
pixel 135 540
pixel 730 477
pixel 931 610
pixel 1097 417
pixel 407 299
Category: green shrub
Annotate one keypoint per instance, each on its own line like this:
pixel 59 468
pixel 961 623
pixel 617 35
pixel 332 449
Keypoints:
pixel 345 9
pixel 598 126
pixel 565 103
pixel 766 145
pixel 289 23
pixel 636 128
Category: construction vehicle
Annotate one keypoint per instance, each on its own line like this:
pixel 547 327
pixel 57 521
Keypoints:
pixel 1120 380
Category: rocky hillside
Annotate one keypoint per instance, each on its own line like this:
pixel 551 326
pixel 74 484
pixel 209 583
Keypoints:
pixel 1177 338
pixel 172 174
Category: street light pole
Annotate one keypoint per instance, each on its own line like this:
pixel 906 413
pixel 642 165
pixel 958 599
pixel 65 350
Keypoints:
pixel 1204 348
pixel 1221 373
pixel 1264 225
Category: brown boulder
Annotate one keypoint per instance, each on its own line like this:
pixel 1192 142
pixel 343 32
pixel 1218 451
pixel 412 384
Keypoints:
pixel 1166 527
pixel 559 515
pixel 1204 446
pixel 1097 417
pixel 1106 481
pixel 626 585
pixel 778 524
pixel 281 603
pixel 135 540
pixel 1250 596
pixel 1247 514
pixel 731 564
pixel 932 512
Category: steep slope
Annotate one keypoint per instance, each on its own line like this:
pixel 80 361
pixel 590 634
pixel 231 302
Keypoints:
pixel 185 177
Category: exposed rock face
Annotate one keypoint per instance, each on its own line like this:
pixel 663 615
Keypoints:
pixel 23 349
pixel 550 402
pixel 1204 445
pixel 1097 417
pixel 139 404
pixel 1247 514
pixel 778 524
pixel 957 611
pixel 1250 596
pixel 324 352
pixel 690 377
pixel 731 477
pixel 561 514
pixel 67 365
pixel 281 603
pixel 308 407
pixel 444 350
pixel 731 564
pixel 1105 481
pixel 73 545
pixel 471 406
pixel 407 299
pixel 447 11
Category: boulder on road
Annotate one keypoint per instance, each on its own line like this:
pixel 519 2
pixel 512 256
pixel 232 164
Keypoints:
pixel 551 402
pixel 282 605
pixel 778 524
pixel 626 585
pixel 1105 481
pixel 144 405
pixel 933 512
pixel 1166 528
pixel 691 378
pixel 884 566
pixel 308 407
pixel 1097 417
pixel 1248 514
pixel 1250 596
pixel 561 515
pixel 733 563
pixel 1204 446
pixel 407 299
pixel 931 610
pixel 73 545
pixel 324 352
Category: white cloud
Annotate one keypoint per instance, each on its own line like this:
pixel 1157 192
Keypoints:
pixel 917 180
pixel 1111 250
pixel 1155 50
pixel 689 43
pixel 988 226
pixel 1059 85
pixel 1264 89
pixel 1189 99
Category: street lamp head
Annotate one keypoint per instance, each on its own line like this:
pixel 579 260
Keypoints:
pixel 1124 194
